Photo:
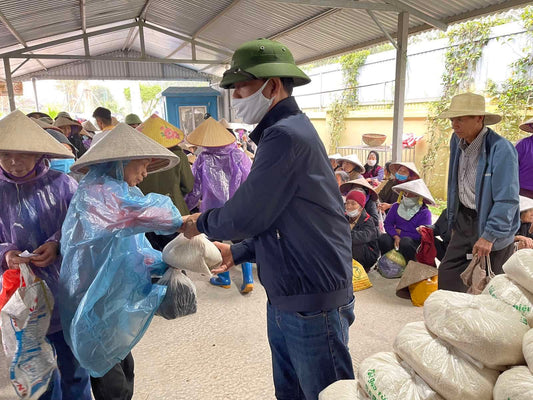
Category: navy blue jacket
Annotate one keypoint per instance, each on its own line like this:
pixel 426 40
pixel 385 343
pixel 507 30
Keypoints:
pixel 291 212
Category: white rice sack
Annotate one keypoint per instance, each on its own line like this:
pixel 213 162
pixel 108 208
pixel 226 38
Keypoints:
pixel 450 373
pixel 519 267
pixel 527 348
pixel 514 384
pixel 504 289
pixel 197 254
pixel 486 329
pixel 345 389
pixel 385 376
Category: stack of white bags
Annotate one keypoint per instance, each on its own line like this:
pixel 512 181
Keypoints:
pixel 467 348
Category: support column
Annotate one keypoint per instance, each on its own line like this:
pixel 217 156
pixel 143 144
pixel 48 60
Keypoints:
pixel 9 84
pixel 34 83
pixel 399 87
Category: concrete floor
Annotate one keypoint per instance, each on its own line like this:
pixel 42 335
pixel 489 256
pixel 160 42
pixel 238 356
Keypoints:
pixel 221 352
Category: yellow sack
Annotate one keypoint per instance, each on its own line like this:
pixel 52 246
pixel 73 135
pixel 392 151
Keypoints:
pixel 360 279
pixel 420 291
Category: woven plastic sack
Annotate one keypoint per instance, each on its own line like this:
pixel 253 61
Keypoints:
pixel 180 297
pixel 345 389
pixel 24 320
pixel 514 384
pixel 360 279
pixel 527 348
pixel 420 291
pixel 449 372
pixel 486 329
pixel 197 254
pixel 519 267
pixel 391 264
pixel 385 376
pixel 504 289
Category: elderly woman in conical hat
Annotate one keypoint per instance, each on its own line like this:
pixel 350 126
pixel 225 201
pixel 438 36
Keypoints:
pixel 525 160
pixel 407 214
pixel 401 172
pixel 352 165
pixel 524 236
pixel 107 260
pixel 72 130
pixel 34 201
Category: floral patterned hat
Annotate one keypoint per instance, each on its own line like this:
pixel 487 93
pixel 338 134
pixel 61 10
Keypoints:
pixel 163 132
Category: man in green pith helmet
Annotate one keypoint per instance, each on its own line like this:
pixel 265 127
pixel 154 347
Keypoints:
pixel 293 225
pixel 132 120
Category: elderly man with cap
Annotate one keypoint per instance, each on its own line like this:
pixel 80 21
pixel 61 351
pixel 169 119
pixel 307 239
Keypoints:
pixel 132 120
pixel 290 213
pixel 525 160
pixel 483 191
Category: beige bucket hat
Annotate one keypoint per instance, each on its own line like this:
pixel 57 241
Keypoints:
pixel 527 126
pixel 414 272
pixel 525 203
pixel 43 123
pixel 20 134
pixel 125 143
pixel 417 187
pixel 361 182
pixel 211 133
pixel 64 121
pixel 395 166
pixel 89 126
pixel 469 104
pixel 163 132
pixel 354 160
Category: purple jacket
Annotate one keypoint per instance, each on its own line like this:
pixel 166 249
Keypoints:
pixel 32 214
pixel 525 162
pixel 218 173
pixel 408 228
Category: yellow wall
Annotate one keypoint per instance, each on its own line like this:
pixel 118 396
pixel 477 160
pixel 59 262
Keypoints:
pixel 378 119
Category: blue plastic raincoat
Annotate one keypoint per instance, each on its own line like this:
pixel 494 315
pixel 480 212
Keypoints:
pixel 105 279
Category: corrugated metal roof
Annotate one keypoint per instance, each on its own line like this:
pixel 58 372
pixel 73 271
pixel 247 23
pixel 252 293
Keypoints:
pixel 176 91
pixel 310 31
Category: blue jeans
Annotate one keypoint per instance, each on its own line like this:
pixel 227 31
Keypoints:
pixel 309 350
pixel 71 382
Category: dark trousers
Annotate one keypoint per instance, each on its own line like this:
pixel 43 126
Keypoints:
pixel 365 255
pixel 117 383
pixel 407 246
pixel 464 236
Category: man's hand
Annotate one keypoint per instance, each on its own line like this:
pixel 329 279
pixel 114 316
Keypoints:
pixel 384 206
pixel 47 254
pixel 482 247
pixel 227 258
pixel 524 242
pixel 13 260
pixel 188 228
pixel 396 242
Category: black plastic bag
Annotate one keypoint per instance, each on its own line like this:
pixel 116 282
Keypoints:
pixel 180 298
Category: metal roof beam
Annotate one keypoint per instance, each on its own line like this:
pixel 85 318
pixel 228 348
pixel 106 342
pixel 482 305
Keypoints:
pixel 305 23
pixel 141 17
pixel 415 12
pixel 118 59
pixel 361 5
pixel 83 16
pixel 376 21
pixel 20 65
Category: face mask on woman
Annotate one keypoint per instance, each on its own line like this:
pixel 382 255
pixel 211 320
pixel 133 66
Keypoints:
pixel 253 108
pixel 371 162
pixel 401 177
pixel 410 202
pixel 353 213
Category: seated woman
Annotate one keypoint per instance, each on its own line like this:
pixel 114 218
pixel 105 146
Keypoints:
pixel 365 248
pixel 373 171
pixel 401 172
pixel 342 177
pixel 371 197
pixel 404 217
pixel 524 236
pixel 333 161
pixel 352 165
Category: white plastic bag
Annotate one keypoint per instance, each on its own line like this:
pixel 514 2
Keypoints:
pixel 180 297
pixel 345 389
pixel 449 372
pixel 197 254
pixel 24 321
pixel 385 376
pixel 504 289
pixel 514 384
pixel 519 267
pixel 486 329
pixel 527 348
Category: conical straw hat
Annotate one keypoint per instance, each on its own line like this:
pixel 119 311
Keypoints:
pixel 64 121
pixel 469 104
pixel 45 125
pixel 527 126
pixel 89 126
pixel 161 131
pixel 354 160
pixel 225 123
pixel 335 156
pixel 395 166
pixel 125 143
pixel 415 272
pixel 417 187
pixel 210 133
pixel 362 182
pixel 525 203
pixel 20 134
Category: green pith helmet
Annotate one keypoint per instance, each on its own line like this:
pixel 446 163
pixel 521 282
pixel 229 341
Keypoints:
pixel 262 58
pixel 132 119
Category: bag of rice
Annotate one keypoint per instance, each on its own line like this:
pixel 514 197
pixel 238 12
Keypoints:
pixel 346 389
pixel 504 289
pixel 197 254
pixel 519 267
pixel 484 328
pixel 514 384
pixel 449 372
pixel 527 348
pixel 360 279
pixel 385 376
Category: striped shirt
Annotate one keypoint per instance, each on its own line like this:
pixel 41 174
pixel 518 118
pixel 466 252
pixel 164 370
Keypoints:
pixel 467 170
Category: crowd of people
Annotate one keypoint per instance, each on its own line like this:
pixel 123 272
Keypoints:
pixel 78 197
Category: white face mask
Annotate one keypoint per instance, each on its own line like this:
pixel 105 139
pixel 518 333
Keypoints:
pixel 353 213
pixel 371 162
pixel 253 108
